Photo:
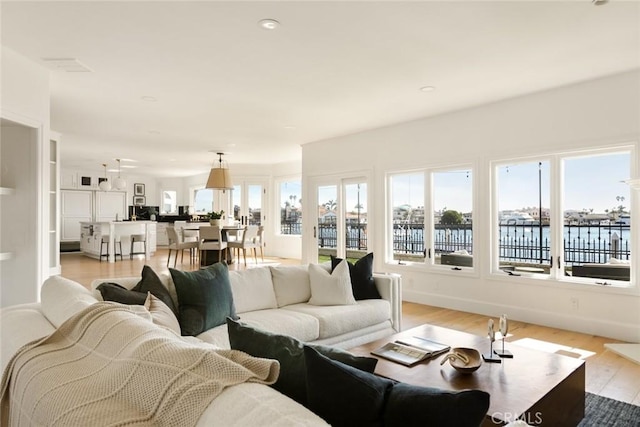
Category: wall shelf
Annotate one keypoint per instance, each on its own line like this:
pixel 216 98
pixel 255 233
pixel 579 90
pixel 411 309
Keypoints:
pixel 5 191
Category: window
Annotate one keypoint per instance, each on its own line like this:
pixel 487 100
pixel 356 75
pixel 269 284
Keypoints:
pixel 255 204
pixel 202 200
pixel 452 218
pixel 237 202
pixel 407 210
pixel 585 237
pixel 439 231
pixel 169 202
pixel 327 234
pixel 524 222
pixel 247 203
pixel 597 218
pixel 291 207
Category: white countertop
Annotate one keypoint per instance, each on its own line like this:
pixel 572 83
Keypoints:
pixel 119 222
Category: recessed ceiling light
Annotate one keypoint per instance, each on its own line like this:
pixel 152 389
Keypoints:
pixel 149 98
pixel 128 160
pixel 600 2
pixel 128 167
pixel 289 127
pixel 427 88
pixel 268 24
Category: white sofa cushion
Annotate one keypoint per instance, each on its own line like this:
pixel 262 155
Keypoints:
pixel 331 288
pixel 250 404
pixel 291 284
pixel 19 325
pixel 336 320
pixel 252 290
pixel 62 298
pixel 286 322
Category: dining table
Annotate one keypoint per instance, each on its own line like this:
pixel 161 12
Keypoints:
pixel 210 256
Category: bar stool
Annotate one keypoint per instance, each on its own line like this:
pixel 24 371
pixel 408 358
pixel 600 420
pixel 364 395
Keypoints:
pixel 140 238
pixel 105 241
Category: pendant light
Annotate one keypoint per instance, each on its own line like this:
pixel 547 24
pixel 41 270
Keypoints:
pixel 119 183
pixel 219 176
pixel 105 185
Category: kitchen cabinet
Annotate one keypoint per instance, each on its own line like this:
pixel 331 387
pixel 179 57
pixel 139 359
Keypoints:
pixel 89 205
pixel 76 206
pixel 162 239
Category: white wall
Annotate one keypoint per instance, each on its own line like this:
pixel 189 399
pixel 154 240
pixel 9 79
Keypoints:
pixel 591 114
pixel 25 101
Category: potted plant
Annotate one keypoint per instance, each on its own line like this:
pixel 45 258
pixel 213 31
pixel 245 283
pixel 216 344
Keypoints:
pixel 215 218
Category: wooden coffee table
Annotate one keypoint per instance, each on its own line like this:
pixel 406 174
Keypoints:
pixel 538 387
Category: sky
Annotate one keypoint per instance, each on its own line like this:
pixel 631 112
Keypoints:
pixel 590 182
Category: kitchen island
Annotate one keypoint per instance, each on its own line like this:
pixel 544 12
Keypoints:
pixel 91 233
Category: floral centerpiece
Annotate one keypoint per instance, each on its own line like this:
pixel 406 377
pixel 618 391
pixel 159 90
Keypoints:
pixel 215 218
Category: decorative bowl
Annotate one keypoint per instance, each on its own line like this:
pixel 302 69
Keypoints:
pixel 463 359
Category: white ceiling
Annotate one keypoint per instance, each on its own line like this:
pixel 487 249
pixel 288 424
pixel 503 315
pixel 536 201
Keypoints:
pixel 330 69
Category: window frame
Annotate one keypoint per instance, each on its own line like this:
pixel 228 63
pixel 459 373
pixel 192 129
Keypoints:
pixel 557 278
pixel 174 212
pixel 429 221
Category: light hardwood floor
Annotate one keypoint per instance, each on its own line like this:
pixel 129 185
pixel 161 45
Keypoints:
pixel 607 374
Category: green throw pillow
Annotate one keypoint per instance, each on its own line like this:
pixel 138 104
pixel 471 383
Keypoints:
pixel 118 293
pixel 290 353
pixel 204 298
pixel 344 396
pixel 150 282
pixel 137 295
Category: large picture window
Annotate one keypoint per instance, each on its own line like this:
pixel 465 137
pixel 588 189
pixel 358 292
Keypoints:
pixel 440 231
pixel 597 218
pixel 585 236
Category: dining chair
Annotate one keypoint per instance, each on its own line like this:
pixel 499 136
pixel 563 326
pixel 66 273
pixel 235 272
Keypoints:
pixel 259 240
pixel 178 244
pixel 187 235
pixel 211 240
pixel 247 242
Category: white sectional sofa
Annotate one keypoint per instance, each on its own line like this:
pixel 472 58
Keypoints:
pixel 270 298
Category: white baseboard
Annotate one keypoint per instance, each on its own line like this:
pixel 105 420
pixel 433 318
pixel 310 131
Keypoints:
pixel 586 325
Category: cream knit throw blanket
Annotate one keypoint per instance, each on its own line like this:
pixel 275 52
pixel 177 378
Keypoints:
pixel 108 366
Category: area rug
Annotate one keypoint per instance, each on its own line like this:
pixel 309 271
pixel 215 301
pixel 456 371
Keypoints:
pixel 604 412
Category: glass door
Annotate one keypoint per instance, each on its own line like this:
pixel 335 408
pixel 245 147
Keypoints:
pixel 326 231
pixel 248 203
pixel 340 227
pixel 355 219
